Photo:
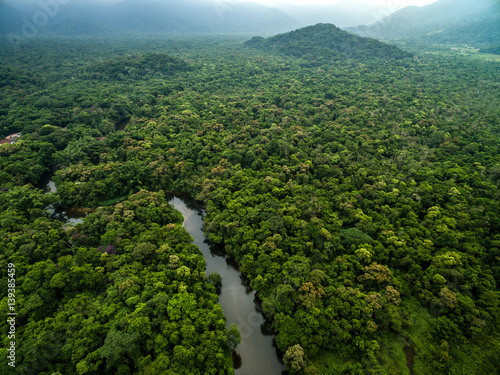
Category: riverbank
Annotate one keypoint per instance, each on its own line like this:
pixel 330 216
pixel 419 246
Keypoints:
pixel 257 353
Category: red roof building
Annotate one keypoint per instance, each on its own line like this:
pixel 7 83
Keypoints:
pixel 10 139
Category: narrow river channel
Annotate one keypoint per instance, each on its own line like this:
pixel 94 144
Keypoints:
pixel 256 355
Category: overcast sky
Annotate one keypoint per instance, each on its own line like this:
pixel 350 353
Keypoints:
pixel 387 3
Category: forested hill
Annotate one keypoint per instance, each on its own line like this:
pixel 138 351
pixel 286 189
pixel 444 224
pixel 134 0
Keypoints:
pixel 495 49
pixel 326 41
pixel 483 34
pixel 473 22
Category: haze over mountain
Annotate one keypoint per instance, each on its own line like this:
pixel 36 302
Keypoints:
pixel 459 21
pixel 10 19
pixel 80 17
pixel 342 14
pixel 473 22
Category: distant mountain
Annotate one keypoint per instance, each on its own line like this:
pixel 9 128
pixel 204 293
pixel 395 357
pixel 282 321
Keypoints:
pixel 327 41
pixel 342 14
pixel 167 16
pixel 126 17
pixel 458 21
pixel 10 19
pixel 255 18
pixel 482 33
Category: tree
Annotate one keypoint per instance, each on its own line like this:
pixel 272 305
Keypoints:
pixel 117 346
pixel 233 337
pixel 294 359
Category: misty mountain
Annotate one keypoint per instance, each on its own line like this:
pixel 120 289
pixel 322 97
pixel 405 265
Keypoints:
pixel 343 14
pixel 128 17
pixel 10 19
pixel 482 33
pixel 326 41
pixel 442 17
pixel 196 16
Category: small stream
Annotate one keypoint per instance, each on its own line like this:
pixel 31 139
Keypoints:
pixel 69 215
pixel 257 354
pixel 410 357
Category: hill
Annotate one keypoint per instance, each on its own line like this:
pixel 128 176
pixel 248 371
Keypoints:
pixel 494 49
pixel 327 41
pixel 483 33
pixel 474 22
pixel 416 21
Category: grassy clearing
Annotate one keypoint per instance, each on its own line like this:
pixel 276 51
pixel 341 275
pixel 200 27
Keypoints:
pixel 465 358
pixel 431 357
pixel 391 359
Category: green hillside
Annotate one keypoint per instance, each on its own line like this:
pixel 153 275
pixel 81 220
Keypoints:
pixel 485 33
pixel 326 41
pixel 451 22
pixel 414 22
pixel 494 49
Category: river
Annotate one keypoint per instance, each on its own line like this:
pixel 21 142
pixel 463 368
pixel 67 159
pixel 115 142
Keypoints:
pixel 256 354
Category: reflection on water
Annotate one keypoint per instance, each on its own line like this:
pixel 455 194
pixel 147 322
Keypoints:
pixel 50 187
pixel 257 354
pixel 70 215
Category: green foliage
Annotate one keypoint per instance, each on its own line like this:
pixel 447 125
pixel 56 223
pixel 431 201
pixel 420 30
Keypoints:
pixel 360 198
pixel 233 337
pixel 294 359
pixel 135 67
pixel 354 236
pixel 107 298
pixel 324 41
pixel 495 49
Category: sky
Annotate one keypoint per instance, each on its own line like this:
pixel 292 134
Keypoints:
pixel 386 3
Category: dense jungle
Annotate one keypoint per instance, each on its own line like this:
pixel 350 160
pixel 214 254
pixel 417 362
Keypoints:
pixel 355 183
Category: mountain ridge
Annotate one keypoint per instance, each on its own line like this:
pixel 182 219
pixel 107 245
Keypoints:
pixel 146 17
pixel 435 23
